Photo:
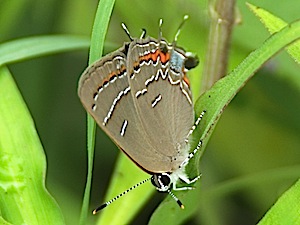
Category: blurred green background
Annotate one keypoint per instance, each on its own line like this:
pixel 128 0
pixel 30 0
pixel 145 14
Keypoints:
pixel 257 136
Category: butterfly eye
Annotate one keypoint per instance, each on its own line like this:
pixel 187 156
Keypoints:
pixel 191 62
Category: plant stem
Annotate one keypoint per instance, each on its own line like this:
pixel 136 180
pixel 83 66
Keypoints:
pixel 222 13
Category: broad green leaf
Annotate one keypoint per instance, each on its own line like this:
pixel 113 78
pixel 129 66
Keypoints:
pixel 286 209
pixel 275 24
pixel 4 222
pixel 24 198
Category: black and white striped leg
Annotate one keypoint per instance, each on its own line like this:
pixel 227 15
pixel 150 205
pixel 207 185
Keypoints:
pixel 185 178
pixel 194 126
pixel 191 155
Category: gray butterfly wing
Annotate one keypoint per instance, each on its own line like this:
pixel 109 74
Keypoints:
pixel 105 93
pixel 162 99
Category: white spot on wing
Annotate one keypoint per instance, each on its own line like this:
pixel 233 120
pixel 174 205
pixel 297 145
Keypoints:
pixel 123 128
pixel 113 105
pixel 156 100
pixel 141 92
pixel 150 80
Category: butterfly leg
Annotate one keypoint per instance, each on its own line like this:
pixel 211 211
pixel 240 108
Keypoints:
pixel 191 154
pixel 183 176
pixel 187 181
pixel 194 126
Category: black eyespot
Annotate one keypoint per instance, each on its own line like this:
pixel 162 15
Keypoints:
pixel 191 62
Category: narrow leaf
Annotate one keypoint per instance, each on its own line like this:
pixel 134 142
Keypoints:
pixel 275 24
pixel 97 42
pixel 26 48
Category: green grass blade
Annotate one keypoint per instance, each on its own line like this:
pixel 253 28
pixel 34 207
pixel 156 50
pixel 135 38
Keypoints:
pixel 26 48
pixel 215 101
pixel 97 42
pixel 275 24
pixel 286 209
pixel 23 196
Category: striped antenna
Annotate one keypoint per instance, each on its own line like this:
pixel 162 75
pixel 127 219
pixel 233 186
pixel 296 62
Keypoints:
pixel 144 32
pixel 118 196
pixel 160 30
pixel 127 31
pixel 179 28
pixel 176 199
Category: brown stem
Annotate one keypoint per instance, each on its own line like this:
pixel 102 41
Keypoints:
pixel 222 13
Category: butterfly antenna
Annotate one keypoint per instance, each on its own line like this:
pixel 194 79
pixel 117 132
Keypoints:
pixel 179 28
pixel 127 31
pixel 118 196
pixel 176 199
pixel 144 32
pixel 160 30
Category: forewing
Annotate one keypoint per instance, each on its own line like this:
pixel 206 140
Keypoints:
pixel 105 93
